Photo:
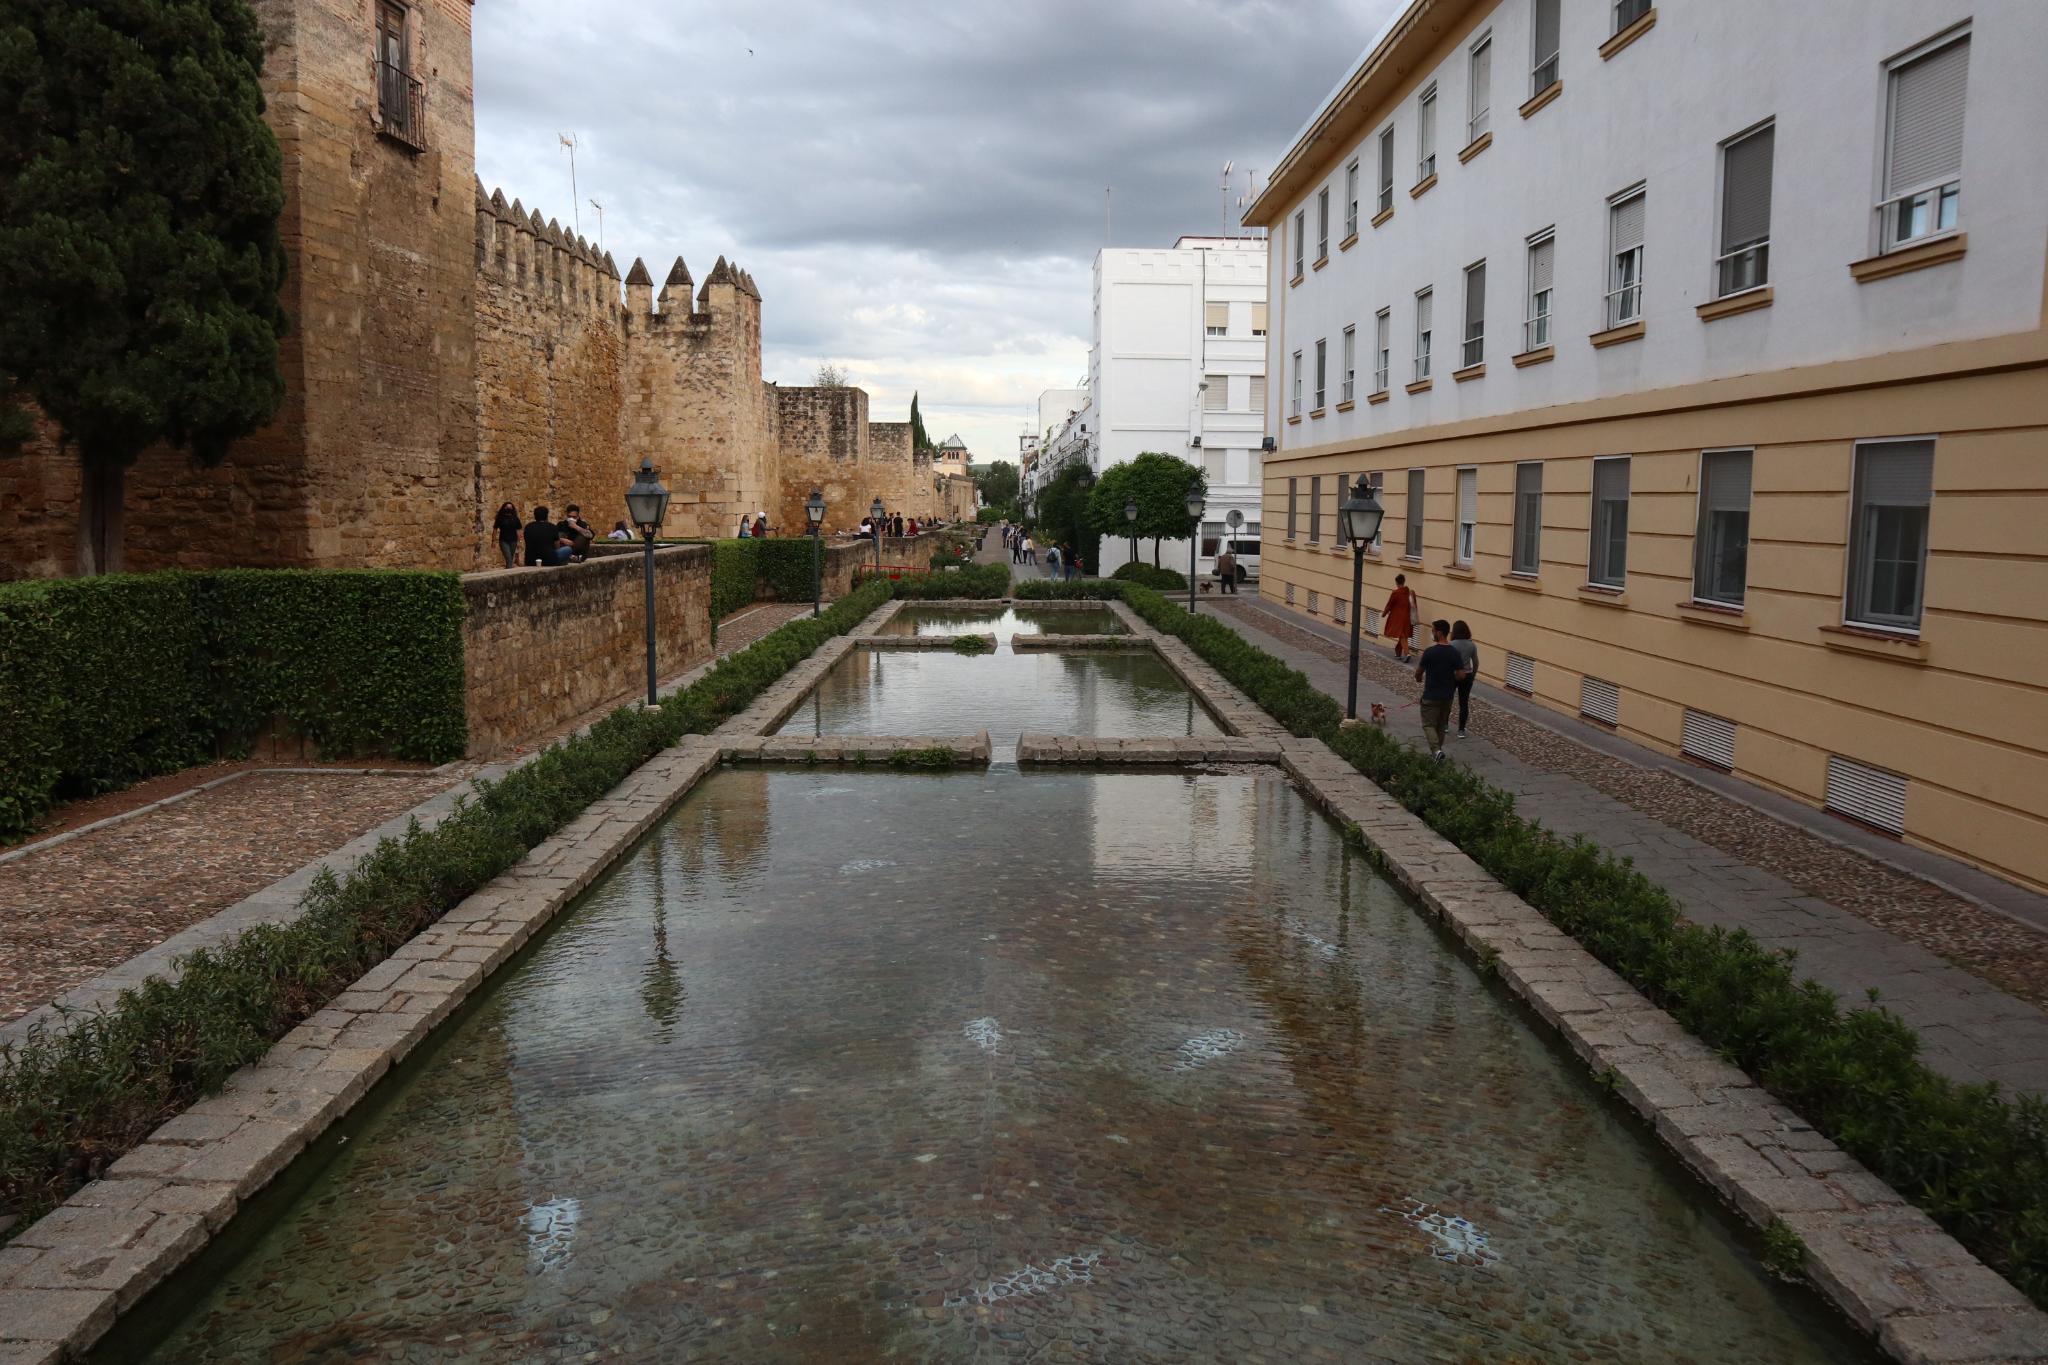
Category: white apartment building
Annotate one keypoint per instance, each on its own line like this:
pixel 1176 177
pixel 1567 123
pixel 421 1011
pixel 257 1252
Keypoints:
pixel 1699 351
pixel 1179 366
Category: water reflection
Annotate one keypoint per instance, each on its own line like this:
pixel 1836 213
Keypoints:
pixel 1004 623
pixel 996 1066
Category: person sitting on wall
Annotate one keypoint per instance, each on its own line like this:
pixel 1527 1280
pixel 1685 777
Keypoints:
pixel 578 530
pixel 540 537
pixel 618 532
pixel 913 526
pixel 565 546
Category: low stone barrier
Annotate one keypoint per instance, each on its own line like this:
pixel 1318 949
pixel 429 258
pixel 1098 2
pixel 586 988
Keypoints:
pixel 1160 749
pixel 1125 644
pixel 902 751
pixel 913 642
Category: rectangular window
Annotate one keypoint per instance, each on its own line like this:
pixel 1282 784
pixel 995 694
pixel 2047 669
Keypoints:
pixel 1528 551
pixel 1378 482
pixel 1322 370
pixel 1387 169
pixel 1350 363
pixel 1293 501
pixel 1216 319
pixel 1351 198
pixel 1607 565
pixel 1338 495
pixel 1923 141
pixel 1294 407
pixel 1479 100
pixel 1888 538
pixel 1475 314
pixel 1468 515
pixel 1323 224
pixel 1745 259
pixel 1425 135
pixel 401 100
pixel 1382 349
pixel 1542 255
pixel 1216 467
pixel 1422 321
pixel 1300 242
pixel 1543 50
pixel 1315 509
pixel 1258 393
pixel 1258 319
pixel 1626 12
pixel 1720 571
pixel 1413 549
pixel 1216 397
pixel 1625 217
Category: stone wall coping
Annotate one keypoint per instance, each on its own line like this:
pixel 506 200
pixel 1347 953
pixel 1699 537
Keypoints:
pixel 1116 643
pixel 858 750
pixel 1170 750
pixel 939 642
pixel 610 561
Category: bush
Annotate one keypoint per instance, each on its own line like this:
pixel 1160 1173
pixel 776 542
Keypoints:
pixel 73 1102
pixel 106 681
pixel 1059 590
pixel 735 570
pixel 1285 693
pixel 1145 576
pixel 972 580
pixel 785 566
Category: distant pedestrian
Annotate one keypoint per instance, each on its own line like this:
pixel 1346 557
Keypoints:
pixel 1438 670
pixel 897 529
pixel 619 532
pixel 1052 561
pixel 1016 548
pixel 1030 551
pixel 1226 571
pixel 1073 563
pixel 540 537
pixel 913 526
pixel 760 526
pixel 1468 650
pixel 1401 613
pixel 508 527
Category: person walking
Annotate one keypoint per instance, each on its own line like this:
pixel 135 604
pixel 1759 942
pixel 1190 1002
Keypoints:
pixel 1468 650
pixel 1073 563
pixel 1226 572
pixel 1052 561
pixel 508 527
pixel 1030 549
pixel 1016 547
pixel 1438 670
pixel 1399 618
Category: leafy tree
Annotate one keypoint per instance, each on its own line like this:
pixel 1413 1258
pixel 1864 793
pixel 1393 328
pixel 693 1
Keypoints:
pixel 1063 514
pixel 1159 484
pixel 997 482
pixel 829 376
pixel 140 261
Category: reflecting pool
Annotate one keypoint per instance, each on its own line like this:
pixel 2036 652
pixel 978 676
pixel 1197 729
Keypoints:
pixel 881 692
pixel 995 1066
pixel 1004 622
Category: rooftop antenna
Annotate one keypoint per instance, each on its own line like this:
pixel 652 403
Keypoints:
pixel 1105 215
pixel 575 201
pixel 600 225
pixel 1225 187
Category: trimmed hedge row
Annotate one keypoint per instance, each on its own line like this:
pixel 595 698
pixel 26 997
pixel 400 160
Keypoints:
pixel 1974 1160
pixel 73 1102
pixel 735 569
pixel 785 566
pixel 971 580
pixel 1058 590
pixel 1145 576
pixel 106 681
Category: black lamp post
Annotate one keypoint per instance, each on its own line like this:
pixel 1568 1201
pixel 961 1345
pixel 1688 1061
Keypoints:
pixel 647 504
pixel 1196 503
pixel 875 511
pixel 1131 520
pixel 814 512
pixel 1362 514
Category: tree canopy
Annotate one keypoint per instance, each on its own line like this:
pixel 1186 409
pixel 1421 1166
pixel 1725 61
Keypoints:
pixel 829 376
pixel 140 259
pixel 997 482
pixel 1159 484
pixel 1063 514
pixel 919 440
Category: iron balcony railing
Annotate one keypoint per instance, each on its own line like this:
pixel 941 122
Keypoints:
pixel 401 106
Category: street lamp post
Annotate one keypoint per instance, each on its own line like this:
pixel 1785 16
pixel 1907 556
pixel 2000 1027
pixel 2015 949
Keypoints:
pixel 875 511
pixel 814 512
pixel 1131 520
pixel 1362 514
pixel 1196 503
pixel 647 504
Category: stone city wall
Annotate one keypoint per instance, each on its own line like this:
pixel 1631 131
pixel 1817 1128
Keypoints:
pixel 824 446
pixel 545 646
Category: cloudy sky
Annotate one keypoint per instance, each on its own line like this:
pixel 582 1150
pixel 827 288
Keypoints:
pixel 917 188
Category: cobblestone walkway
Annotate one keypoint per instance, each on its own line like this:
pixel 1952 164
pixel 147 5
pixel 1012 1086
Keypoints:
pixel 1971 981
pixel 749 624
pixel 71 910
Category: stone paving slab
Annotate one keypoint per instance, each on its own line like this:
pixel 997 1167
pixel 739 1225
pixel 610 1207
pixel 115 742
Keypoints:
pixel 966 751
pixel 1158 749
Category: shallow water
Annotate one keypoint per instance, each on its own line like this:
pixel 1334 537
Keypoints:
pixel 1004 623
pixel 996 1066
pixel 883 692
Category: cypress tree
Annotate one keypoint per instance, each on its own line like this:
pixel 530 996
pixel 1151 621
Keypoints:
pixel 140 260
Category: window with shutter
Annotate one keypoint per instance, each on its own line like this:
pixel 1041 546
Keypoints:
pixel 1422 334
pixel 1625 221
pixel 1924 141
pixel 1258 319
pixel 1888 537
pixel 1351 199
pixel 1479 99
pixel 1468 515
pixel 1315 509
pixel 1528 554
pixel 1425 135
pixel 1293 501
pixel 1475 314
pixel 1350 362
pixel 1258 393
pixel 1536 329
pixel 1607 564
pixel 1383 349
pixel 1543 48
pixel 1294 399
pixel 1322 371
pixel 1323 224
pixel 1720 571
pixel 1415 491
pixel 1300 242
pixel 1744 262
pixel 1216 319
pixel 1216 397
pixel 1386 169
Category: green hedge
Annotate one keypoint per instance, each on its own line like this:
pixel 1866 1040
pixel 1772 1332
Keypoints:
pixel 785 567
pixel 1059 590
pixel 1145 576
pixel 735 569
pixel 1973 1159
pixel 106 681
pixel 973 580
pixel 72 1102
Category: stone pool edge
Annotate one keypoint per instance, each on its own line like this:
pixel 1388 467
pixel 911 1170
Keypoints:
pixel 1888 1266
pixel 69 1276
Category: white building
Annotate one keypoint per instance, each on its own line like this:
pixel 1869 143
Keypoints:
pixel 1179 366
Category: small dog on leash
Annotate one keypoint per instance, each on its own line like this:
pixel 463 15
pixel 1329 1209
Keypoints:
pixel 1379 714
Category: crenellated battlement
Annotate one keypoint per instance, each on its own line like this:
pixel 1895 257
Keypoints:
pixel 519 250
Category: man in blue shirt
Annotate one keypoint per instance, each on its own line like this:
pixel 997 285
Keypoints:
pixel 1439 670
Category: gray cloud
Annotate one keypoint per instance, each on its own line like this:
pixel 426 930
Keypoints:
pixel 917 188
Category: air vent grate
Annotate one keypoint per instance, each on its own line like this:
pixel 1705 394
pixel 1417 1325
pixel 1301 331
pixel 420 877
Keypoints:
pixel 1522 674
pixel 1709 739
pixel 1869 794
pixel 1599 700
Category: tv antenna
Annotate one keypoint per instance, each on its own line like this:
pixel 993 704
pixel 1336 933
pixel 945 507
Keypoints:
pixel 1225 187
pixel 575 201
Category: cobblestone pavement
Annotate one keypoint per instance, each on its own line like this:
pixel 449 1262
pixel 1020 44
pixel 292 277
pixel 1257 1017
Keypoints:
pixel 1855 923
pixel 73 909
pixel 744 627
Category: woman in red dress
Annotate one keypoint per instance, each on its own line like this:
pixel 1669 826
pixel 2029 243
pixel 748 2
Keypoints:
pixel 1397 622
